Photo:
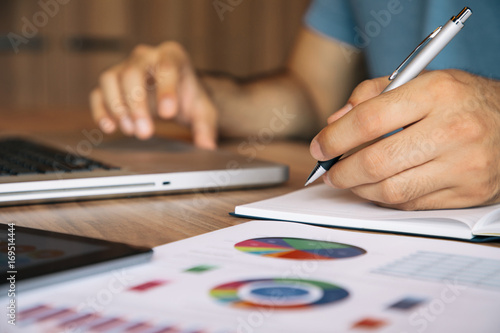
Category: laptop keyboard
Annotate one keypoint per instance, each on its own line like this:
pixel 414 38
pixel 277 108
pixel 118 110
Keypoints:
pixel 22 157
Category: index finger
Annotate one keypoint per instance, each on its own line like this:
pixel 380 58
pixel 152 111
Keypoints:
pixel 370 120
pixel 171 67
pixel 364 91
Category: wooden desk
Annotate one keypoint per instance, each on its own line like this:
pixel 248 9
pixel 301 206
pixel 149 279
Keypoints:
pixel 152 220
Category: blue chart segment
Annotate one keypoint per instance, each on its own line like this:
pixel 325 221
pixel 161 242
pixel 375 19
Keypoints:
pixel 298 248
pixel 278 293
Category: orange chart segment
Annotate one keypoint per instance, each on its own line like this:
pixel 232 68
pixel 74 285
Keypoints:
pixel 301 255
pixel 298 248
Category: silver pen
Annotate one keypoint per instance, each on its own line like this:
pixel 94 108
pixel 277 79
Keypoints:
pixel 415 63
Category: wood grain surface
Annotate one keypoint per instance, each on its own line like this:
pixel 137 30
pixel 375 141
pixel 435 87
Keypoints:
pixel 152 220
pixel 148 220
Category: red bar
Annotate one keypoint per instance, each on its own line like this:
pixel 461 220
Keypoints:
pixel 57 314
pixel 106 325
pixel 148 285
pixel 75 322
pixel 26 314
pixel 137 328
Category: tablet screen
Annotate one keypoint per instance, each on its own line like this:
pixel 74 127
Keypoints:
pixel 31 253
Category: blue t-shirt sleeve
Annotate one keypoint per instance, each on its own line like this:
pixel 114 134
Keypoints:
pixel 333 18
pixel 387 31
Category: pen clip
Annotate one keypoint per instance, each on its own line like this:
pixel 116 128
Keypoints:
pixel 419 46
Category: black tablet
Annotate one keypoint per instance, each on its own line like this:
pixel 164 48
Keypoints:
pixel 31 258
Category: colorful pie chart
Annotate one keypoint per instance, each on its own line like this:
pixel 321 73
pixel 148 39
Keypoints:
pixel 278 293
pixel 298 248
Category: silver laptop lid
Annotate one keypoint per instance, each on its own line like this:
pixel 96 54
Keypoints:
pixel 129 167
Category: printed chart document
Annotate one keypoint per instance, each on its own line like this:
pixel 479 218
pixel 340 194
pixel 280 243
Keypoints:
pixel 323 205
pixel 269 277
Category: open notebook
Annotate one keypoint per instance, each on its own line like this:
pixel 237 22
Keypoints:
pixel 324 205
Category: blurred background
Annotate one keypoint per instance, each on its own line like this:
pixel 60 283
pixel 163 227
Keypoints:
pixel 52 51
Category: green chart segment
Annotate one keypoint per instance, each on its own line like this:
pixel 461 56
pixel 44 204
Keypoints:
pixel 298 248
pixel 278 293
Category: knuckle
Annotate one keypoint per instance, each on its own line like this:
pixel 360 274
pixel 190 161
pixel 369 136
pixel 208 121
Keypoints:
pixel 480 163
pixel 467 127
pixel 336 180
pixel 391 193
pixel 373 163
pixel 364 88
pixel 406 191
pixel 447 81
pixel 365 84
pixel 140 50
pixel 443 79
pixel 327 140
pixel 167 74
pixel 367 122
pixel 174 47
pixel 473 129
pixel 106 77
pixel 129 72
pixel 484 193
pixel 118 109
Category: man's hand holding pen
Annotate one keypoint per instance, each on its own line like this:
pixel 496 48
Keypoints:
pixel 447 156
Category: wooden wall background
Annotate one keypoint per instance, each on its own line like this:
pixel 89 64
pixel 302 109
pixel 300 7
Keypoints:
pixel 68 43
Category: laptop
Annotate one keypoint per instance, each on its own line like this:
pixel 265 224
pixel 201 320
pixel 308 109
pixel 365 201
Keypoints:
pixel 35 169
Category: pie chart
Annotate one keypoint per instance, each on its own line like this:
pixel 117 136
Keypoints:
pixel 298 248
pixel 278 293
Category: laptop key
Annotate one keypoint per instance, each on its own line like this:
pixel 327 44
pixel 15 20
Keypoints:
pixel 19 157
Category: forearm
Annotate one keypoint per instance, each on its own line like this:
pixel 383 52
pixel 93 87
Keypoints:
pixel 278 105
pixel 292 104
pixel 317 81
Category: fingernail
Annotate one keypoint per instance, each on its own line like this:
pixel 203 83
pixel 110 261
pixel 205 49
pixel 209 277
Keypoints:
pixel 127 126
pixel 107 125
pixel 143 127
pixel 315 150
pixel 340 113
pixel 346 108
pixel 167 108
